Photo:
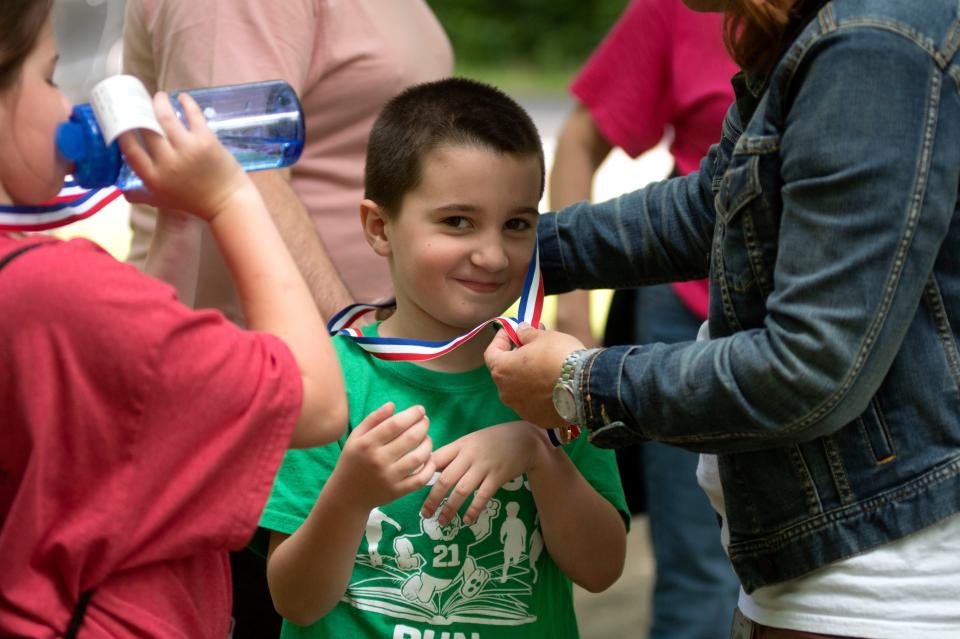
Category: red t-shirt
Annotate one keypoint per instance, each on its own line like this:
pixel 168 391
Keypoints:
pixel 139 442
pixel 662 65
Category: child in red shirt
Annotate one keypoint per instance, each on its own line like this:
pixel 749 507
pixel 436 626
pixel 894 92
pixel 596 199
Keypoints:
pixel 139 439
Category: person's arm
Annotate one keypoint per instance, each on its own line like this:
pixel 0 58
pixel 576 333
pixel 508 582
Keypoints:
pixel 581 149
pixel 292 220
pixel 583 532
pixel 260 41
pixel 384 458
pixel 273 294
pixel 857 237
pixel 174 254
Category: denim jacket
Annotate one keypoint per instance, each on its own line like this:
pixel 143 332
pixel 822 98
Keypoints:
pixel 828 225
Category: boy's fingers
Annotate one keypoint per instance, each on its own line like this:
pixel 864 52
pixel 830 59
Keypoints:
pixel 445 454
pixel 459 495
pixel 407 439
pixel 481 496
pixel 413 461
pixel 422 477
pixel 375 418
pixel 449 476
pixel 397 425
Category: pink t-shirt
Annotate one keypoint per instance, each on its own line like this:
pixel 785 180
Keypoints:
pixel 139 442
pixel 345 59
pixel 661 66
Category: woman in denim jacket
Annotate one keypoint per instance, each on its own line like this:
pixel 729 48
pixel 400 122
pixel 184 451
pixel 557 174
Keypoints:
pixel 826 219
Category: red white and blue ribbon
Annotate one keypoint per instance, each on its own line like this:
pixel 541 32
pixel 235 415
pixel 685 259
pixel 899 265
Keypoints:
pixel 402 349
pixel 71 204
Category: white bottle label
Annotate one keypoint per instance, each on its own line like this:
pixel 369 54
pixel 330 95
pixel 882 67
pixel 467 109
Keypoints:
pixel 121 103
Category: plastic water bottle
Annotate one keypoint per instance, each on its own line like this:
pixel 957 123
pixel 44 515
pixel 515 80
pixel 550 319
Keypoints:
pixel 260 123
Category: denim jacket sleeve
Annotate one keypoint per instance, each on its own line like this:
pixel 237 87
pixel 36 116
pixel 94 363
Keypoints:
pixel 863 138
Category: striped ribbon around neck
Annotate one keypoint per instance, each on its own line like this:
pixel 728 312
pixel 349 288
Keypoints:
pixel 412 350
pixel 71 204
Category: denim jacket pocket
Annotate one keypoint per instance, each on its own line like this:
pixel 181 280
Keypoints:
pixel 748 221
pixel 876 433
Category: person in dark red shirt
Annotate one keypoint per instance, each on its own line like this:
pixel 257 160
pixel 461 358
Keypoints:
pixel 139 439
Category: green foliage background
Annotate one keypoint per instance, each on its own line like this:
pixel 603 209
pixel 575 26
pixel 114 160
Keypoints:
pixel 532 45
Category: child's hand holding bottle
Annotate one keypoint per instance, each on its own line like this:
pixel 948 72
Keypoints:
pixel 189 169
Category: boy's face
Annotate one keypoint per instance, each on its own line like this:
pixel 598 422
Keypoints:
pixel 462 241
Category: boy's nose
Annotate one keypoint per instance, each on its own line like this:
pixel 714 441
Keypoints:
pixel 490 256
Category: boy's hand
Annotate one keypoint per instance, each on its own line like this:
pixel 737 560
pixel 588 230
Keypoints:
pixel 386 456
pixel 189 169
pixel 479 464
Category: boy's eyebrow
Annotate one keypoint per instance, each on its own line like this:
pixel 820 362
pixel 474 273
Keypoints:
pixel 463 208
pixel 469 208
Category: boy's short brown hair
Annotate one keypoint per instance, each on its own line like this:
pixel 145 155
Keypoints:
pixel 454 111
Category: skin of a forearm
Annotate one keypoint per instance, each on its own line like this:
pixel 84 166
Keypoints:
pixel 309 571
pixel 174 254
pixel 329 292
pixel 275 299
pixel 580 152
pixel 583 532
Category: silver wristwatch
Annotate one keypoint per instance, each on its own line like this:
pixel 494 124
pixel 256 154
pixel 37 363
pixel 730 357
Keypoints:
pixel 565 392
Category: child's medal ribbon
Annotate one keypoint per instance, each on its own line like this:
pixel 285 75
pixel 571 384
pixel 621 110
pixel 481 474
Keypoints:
pixel 402 349
pixel 71 204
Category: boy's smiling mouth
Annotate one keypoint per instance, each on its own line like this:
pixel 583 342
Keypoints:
pixel 479 286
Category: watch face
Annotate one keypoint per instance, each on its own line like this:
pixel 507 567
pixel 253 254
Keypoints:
pixel 565 403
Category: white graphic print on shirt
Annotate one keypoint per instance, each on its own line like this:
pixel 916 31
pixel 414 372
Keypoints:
pixel 413 568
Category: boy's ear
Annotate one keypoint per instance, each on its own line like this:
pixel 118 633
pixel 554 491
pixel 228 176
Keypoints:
pixel 374 220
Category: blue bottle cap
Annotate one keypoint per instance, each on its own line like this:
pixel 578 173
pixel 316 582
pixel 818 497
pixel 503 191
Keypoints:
pixel 71 142
pixel 80 141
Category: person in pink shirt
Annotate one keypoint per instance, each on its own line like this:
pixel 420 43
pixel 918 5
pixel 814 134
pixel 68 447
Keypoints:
pixel 662 70
pixel 139 438
pixel 345 60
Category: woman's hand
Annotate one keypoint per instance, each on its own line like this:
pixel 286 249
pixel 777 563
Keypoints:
pixel 478 464
pixel 188 169
pixel 525 376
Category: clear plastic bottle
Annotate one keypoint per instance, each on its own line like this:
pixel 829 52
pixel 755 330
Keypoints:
pixel 260 123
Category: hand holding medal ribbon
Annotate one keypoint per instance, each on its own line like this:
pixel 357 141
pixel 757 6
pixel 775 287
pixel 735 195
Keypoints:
pixel 411 350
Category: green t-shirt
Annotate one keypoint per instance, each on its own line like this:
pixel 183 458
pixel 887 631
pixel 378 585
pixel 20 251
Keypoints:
pixel 412 578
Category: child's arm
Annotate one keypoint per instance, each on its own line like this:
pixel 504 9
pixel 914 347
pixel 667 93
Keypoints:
pixel 583 531
pixel 189 170
pixel 383 459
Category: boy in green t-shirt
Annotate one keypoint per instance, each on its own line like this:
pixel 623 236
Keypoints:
pixel 454 175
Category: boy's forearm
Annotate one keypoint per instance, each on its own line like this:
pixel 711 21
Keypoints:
pixel 309 571
pixel 583 532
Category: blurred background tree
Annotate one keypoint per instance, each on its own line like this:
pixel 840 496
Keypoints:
pixel 525 46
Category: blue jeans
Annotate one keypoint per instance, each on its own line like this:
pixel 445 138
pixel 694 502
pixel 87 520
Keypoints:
pixel 696 589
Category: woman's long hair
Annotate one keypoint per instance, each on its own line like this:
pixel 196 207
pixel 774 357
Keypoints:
pixel 21 22
pixel 757 33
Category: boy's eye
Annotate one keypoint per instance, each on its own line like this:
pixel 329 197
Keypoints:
pixel 517 224
pixel 457 221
